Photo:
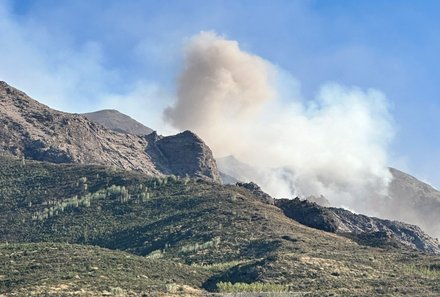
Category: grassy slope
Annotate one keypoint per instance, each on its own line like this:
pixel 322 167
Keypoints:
pixel 62 269
pixel 225 231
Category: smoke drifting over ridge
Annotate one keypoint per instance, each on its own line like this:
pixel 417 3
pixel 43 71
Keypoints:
pixel 335 145
pixel 219 83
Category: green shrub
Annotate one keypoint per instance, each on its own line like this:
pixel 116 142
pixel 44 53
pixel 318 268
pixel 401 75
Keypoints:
pixel 157 254
pixel 195 247
pixel 426 271
pixel 228 287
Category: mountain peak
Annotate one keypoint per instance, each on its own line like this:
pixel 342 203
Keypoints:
pixel 174 152
pixel 114 120
pixel 4 85
pixel 189 134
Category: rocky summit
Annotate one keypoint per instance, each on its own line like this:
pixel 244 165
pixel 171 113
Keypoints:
pixel 117 121
pixel 182 154
pixel 32 130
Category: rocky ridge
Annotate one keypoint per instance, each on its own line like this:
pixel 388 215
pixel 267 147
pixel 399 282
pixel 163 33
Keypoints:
pixel 365 230
pixel 32 130
pixel 408 199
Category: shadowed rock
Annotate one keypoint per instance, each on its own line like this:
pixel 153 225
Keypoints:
pixel 309 214
pixel 363 229
pixel 184 153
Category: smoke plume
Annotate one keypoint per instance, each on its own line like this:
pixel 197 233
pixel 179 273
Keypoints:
pixel 242 105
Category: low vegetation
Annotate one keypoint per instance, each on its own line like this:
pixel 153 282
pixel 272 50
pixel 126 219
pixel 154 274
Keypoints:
pixel 55 269
pixel 430 271
pixel 103 230
pixel 229 287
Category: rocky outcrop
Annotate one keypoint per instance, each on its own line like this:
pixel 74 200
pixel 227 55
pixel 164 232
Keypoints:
pixel 257 191
pixel 363 229
pixel 34 131
pixel 181 154
pixel 370 229
pixel 309 214
pixel 117 121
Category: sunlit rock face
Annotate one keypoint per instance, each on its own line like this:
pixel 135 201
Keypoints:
pixel 34 131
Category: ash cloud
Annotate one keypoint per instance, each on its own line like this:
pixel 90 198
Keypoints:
pixel 242 105
pixel 219 83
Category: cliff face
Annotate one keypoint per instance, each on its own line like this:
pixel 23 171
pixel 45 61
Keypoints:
pixel 35 131
pixel 184 153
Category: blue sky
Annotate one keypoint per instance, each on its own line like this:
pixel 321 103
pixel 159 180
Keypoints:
pixel 85 55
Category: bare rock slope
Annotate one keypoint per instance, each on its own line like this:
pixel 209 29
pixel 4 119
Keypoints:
pixel 363 229
pixel 35 131
pixel 117 121
pixel 182 154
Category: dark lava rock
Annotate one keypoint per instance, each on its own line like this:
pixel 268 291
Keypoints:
pixel 309 214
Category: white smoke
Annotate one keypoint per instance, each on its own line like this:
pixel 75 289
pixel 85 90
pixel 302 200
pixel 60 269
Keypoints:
pixel 237 102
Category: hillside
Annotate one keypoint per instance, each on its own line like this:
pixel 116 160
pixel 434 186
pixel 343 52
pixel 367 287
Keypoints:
pixel 227 232
pixel 32 130
pixel 58 269
pixel 119 122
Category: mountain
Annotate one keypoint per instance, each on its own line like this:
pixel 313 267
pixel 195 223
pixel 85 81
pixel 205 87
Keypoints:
pixel 413 201
pixel 32 130
pixel 235 170
pixel 119 122
pixel 348 223
pixel 141 234
pixel 85 210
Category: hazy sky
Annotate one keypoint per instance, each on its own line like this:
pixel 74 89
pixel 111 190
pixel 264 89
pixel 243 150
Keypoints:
pixel 84 55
